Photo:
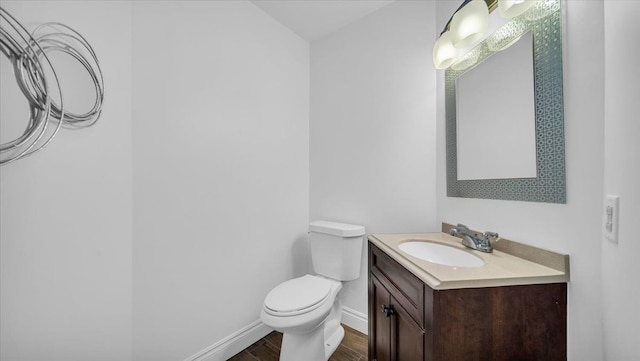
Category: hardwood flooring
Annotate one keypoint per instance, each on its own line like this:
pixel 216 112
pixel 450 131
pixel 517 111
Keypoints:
pixel 354 347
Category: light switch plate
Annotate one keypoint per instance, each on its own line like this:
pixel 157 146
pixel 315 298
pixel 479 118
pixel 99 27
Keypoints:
pixel 611 216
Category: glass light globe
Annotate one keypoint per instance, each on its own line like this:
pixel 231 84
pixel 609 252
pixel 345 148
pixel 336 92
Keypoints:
pixel 469 24
pixel 513 8
pixel 468 60
pixel 444 53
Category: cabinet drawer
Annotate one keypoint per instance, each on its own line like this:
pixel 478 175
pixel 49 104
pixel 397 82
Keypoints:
pixel 406 288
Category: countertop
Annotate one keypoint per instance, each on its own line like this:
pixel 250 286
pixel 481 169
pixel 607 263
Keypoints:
pixel 500 268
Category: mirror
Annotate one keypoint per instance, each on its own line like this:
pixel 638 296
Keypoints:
pixel 479 155
pixel 505 113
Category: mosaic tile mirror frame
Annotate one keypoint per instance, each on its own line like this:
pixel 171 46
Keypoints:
pixel 549 185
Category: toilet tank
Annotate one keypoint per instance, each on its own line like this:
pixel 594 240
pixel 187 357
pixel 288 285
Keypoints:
pixel 336 249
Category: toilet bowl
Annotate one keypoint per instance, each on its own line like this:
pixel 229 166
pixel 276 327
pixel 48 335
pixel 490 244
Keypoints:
pixel 307 309
pixel 300 308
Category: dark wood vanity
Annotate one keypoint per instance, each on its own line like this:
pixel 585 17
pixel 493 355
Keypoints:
pixel 410 321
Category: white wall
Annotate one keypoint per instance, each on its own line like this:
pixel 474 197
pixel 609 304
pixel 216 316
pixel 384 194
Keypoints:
pixel 620 267
pixel 221 170
pixel 574 228
pixel 372 130
pixel 222 133
pixel 65 213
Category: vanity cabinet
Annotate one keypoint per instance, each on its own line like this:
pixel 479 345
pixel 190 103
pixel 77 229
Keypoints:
pixel 409 321
pixel 397 336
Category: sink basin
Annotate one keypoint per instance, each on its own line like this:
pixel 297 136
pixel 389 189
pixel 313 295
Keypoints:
pixel 440 254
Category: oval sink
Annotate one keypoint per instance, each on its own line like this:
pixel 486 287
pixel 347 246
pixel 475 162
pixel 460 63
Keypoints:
pixel 440 254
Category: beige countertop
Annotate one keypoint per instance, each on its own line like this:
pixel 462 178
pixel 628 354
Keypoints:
pixel 500 268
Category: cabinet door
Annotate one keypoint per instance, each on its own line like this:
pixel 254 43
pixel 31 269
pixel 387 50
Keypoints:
pixel 380 350
pixel 407 335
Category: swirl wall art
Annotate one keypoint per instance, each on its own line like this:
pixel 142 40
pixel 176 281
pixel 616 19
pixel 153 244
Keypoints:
pixel 30 55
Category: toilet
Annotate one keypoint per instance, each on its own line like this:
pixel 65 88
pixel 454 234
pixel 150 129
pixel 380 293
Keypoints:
pixel 306 309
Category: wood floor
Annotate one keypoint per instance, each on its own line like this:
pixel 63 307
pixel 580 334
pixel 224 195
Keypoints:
pixel 354 347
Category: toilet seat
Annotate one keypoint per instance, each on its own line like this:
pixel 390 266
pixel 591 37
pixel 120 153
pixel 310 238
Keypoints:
pixel 297 296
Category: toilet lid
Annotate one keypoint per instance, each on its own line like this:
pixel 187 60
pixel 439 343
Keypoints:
pixel 298 295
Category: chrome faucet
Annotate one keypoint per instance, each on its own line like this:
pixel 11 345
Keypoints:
pixel 473 240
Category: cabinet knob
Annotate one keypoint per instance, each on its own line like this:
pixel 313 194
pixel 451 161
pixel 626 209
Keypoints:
pixel 388 310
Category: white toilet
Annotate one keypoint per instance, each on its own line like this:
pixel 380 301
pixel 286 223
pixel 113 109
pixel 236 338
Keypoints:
pixel 306 309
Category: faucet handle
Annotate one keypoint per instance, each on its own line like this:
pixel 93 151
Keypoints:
pixel 489 234
pixel 455 230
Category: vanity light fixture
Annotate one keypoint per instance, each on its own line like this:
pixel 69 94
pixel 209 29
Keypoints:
pixel 444 53
pixel 468 25
pixel 513 8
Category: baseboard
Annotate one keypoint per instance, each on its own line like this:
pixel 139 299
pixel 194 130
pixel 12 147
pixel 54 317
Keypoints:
pixel 245 337
pixel 232 344
pixel 355 319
